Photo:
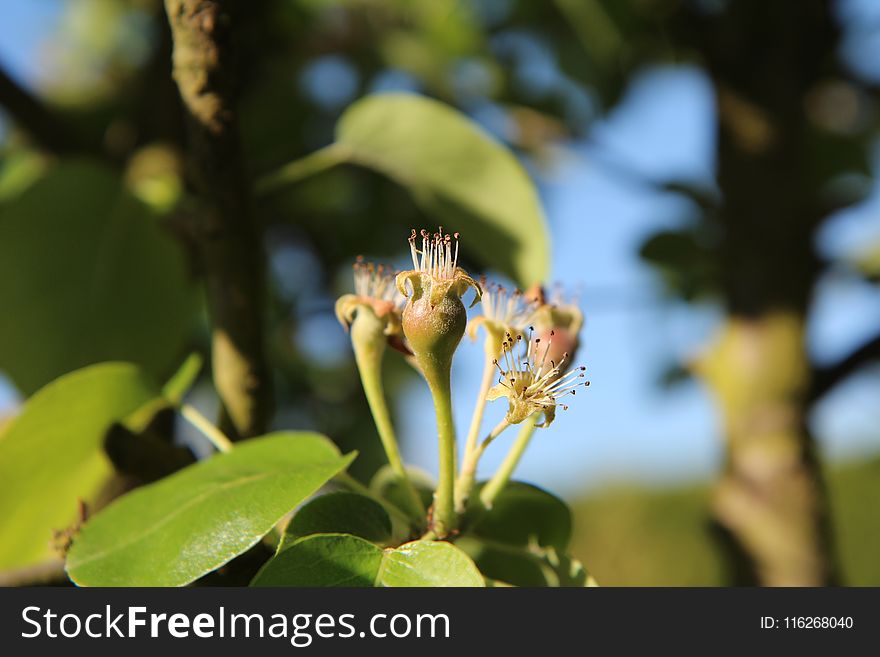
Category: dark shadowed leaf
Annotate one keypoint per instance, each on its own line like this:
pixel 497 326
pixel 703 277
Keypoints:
pixel 323 560
pixel 529 565
pixel 340 513
pixel 89 276
pixel 523 515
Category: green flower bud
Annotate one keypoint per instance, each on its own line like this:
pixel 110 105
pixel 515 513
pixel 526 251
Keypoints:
pixel 434 319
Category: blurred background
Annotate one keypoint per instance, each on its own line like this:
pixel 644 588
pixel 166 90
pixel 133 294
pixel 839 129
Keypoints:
pixel 708 174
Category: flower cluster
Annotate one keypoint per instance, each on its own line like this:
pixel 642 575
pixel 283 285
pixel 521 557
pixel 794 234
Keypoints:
pixel 528 341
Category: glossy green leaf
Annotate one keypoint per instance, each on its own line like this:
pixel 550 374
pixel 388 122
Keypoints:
pixel 323 560
pixel 51 456
pixel 88 276
pixel 345 560
pixel 341 513
pixel 523 515
pixel 429 563
pixel 175 530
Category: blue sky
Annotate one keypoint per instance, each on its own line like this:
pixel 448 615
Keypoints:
pixel 624 426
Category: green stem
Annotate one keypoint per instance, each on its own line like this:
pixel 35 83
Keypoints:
pixel 505 471
pixel 368 340
pixel 479 409
pixel 468 476
pixel 445 518
pixel 203 424
pixel 313 163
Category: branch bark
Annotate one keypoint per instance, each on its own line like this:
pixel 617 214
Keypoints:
pixel 228 238
pixel 765 59
pixel 43 124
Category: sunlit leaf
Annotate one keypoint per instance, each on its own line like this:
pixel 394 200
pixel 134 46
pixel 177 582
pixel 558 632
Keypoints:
pixel 455 170
pixel 429 563
pixel 51 456
pixel 467 180
pixel 186 525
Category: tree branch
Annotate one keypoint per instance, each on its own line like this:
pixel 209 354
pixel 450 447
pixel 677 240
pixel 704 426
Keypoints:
pixel 44 125
pixel 227 236
pixel 825 378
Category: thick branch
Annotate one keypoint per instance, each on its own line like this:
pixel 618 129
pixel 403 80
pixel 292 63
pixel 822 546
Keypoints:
pixel 228 238
pixel 825 378
pixel 44 126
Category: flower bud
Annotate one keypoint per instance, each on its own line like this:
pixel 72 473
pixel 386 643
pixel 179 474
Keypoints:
pixel 434 318
pixel 375 295
pixel 557 324
pixel 504 312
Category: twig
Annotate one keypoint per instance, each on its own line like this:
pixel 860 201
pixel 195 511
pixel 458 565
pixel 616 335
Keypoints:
pixel 45 127
pixel 212 433
pixel 825 378
pixel 227 237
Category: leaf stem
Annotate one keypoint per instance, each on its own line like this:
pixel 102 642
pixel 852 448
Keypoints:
pixel 321 160
pixel 468 476
pixel 217 438
pixel 368 341
pixel 505 471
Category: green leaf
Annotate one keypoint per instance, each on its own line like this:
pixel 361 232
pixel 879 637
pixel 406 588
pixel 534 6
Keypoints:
pixel 342 513
pixel 323 560
pixel 429 563
pixel 51 456
pixel 89 276
pixel 522 515
pixel 513 566
pixel 186 525
pixel 466 179
pixel 529 565
pixel 345 560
